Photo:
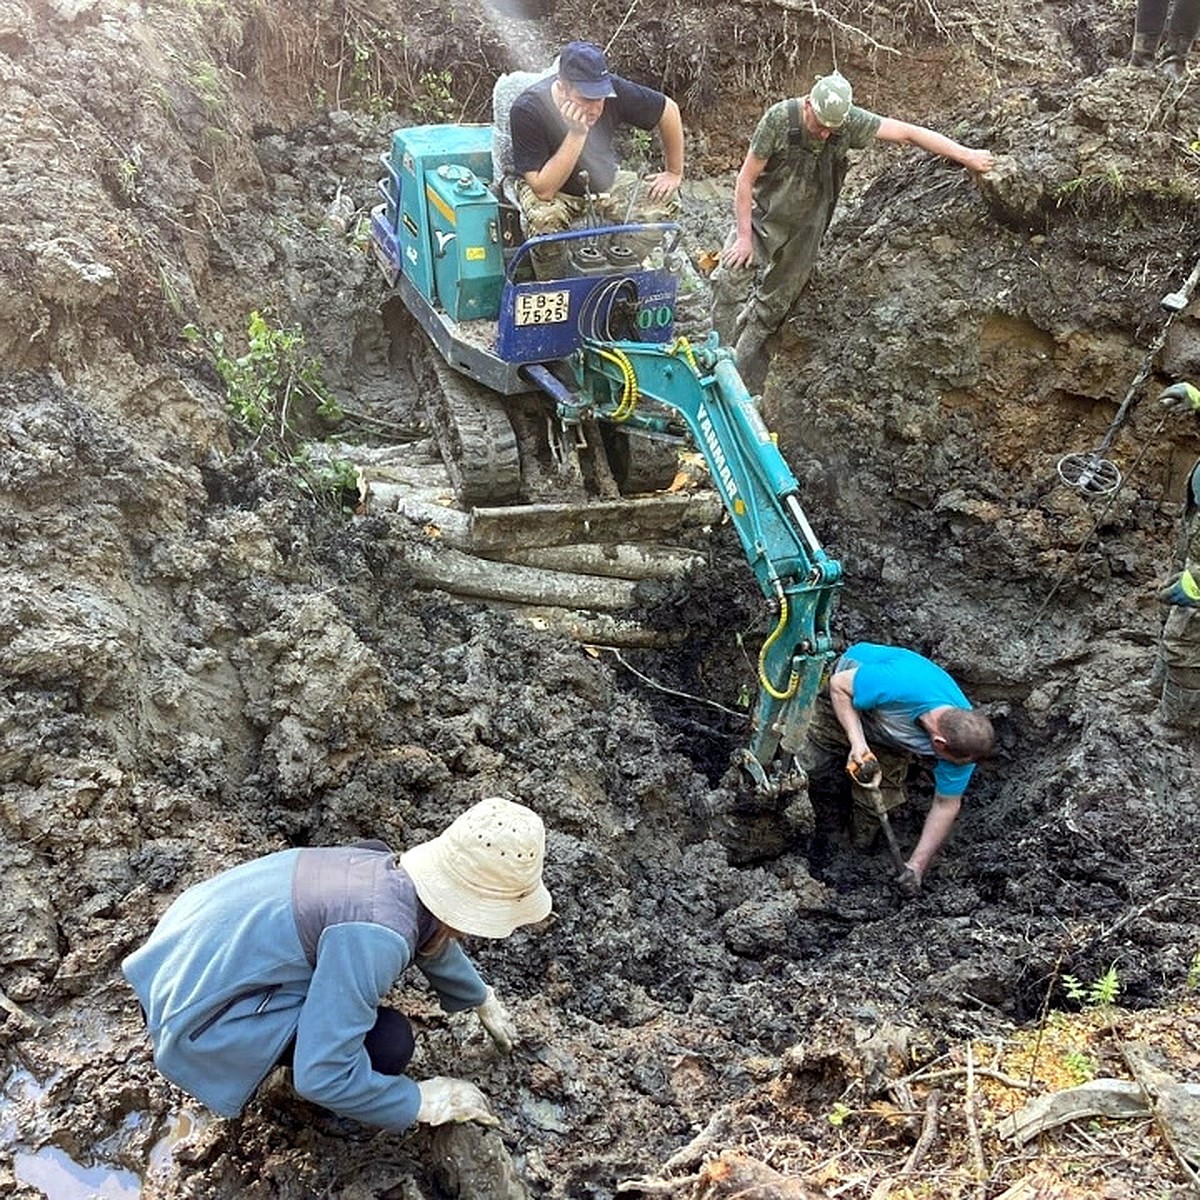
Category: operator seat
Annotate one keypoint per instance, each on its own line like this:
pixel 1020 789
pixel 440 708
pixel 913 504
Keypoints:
pixel 507 88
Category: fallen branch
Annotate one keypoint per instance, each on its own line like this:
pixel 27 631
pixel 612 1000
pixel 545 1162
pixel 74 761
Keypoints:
pixel 980 1072
pixel 980 1166
pixel 1114 1098
pixel 929 1132
pixel 686 1158
pixel 1175 1110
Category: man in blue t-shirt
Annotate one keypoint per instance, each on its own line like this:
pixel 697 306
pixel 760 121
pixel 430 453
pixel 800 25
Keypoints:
pixel 900 703
pixel 563 130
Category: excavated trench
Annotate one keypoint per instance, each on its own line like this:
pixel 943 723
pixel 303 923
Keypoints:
pixel 201 665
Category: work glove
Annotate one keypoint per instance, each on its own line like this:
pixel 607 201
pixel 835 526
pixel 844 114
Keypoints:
pixel 445 1099
pixel 908 883
pixel 1180 397
pixel 495 1019
pixel 1181 589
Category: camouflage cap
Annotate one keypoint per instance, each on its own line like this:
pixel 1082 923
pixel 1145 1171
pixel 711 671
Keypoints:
pixel 831 97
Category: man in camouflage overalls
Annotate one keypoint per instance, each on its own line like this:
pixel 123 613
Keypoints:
pixel 783 201
pixel 1178 665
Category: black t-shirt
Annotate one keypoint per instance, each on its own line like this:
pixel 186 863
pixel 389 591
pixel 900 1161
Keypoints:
pixel 538 130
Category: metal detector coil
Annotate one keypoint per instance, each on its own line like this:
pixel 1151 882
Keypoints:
pixel 1091 474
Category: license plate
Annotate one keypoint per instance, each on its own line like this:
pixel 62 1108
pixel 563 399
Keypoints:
pixel 542 308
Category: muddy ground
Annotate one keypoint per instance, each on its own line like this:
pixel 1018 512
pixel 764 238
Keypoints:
pixel 200 664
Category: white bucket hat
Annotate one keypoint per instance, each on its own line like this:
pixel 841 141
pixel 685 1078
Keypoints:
pixel 483 874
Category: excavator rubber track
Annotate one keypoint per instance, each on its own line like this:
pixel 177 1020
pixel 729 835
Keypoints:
pixel 474 434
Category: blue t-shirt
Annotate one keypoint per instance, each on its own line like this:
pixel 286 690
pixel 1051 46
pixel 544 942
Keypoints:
pixel 893 687
pixel 538 130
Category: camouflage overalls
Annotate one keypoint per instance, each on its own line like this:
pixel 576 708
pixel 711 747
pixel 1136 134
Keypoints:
pixel 824 760
pixel 1179 648
pixel 564 211
pixel 794 199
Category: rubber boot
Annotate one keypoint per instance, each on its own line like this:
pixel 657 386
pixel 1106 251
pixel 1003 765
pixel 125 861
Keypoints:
pixel 1145 47
pixel 1174 63
pixel 753 357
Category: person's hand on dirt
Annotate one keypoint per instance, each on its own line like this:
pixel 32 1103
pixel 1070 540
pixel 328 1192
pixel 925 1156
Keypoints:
pixel 908 883
pixel 445 1099
pixel 1180 397
pixel 1181 589
pixel 493 1016
pixel 740 254
pixel 663 185
pixel 981 161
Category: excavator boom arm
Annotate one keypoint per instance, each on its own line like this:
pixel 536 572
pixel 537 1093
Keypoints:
pixel 702 387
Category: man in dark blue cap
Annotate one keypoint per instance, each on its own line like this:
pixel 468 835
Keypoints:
pixel 563 130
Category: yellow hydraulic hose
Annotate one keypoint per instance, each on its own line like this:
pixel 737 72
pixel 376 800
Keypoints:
pixel 794 681
pixel 629 392
pixel 682 346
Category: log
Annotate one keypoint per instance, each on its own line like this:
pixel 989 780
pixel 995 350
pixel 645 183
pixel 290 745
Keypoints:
pixel 614 562
pixel 452 525
pixel 481 579
pixel 671 518
pixel 593 629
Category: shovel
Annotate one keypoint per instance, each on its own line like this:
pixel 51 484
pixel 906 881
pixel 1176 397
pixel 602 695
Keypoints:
pixel 866 773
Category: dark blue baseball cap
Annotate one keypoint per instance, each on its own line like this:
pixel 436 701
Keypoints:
pixel 583 66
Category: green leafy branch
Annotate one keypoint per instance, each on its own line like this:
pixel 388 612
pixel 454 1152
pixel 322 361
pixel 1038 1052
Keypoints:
pixel 1102 992
pixel 273 392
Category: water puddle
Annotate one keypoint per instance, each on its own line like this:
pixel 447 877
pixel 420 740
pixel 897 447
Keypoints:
pixel 183 1128
pixel 59 1177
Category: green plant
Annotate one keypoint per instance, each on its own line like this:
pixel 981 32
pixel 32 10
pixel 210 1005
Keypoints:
pixel 272 392
pixel 838 1114
pixel 641 146
pixel 435 101
pixel 1193 975
pixel 1081 1066
pixel 1102 992
pixel 1106 186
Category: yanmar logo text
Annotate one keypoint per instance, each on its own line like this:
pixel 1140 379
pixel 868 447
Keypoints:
pixel 716 454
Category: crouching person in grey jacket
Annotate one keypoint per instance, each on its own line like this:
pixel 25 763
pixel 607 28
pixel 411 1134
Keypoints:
pixel 287 959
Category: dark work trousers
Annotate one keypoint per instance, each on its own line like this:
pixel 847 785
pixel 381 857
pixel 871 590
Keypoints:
pixel 389 1043
pixel 1184 23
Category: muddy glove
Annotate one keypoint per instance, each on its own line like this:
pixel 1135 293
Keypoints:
pixel 1180 397
pixel 444 1099
pixel 1181 589
pixel 495 1019
pixel 908 883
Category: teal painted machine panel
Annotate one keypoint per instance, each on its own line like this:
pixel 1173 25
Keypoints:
pixel 468 262
pixel 415 151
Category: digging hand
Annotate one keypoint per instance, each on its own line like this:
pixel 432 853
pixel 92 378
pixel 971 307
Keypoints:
pixel 1181 589
pixel 493 1016
pixel 1180 397
pixel 908 883
pixel 445 1099
pixel 864 769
